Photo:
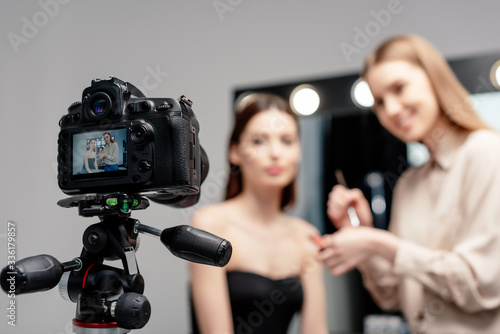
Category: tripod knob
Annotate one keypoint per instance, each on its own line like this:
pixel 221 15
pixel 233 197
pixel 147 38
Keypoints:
pixel 132 310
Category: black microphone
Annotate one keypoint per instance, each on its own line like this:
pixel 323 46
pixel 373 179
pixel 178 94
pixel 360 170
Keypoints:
pixel 193 244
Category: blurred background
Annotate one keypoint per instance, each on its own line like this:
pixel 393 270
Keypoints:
pixel 212 51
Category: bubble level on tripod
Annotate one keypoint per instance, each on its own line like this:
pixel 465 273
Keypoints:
pixel 112 201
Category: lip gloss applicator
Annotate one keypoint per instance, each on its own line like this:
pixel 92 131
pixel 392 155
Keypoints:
pixel 351 212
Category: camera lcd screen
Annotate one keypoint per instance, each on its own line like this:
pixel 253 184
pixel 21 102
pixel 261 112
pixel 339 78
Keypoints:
pixel 99 154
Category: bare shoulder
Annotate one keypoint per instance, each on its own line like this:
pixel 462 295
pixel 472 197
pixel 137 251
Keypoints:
pixel 211 218
pixel 302 233
pixel 302 227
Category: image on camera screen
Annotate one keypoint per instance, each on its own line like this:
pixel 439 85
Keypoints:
pixel 99 153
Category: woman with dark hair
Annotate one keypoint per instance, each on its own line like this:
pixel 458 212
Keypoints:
pixel 272 273
pixel 438 263
pixel 89 159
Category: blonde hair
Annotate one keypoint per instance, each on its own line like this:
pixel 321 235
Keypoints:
pixel 452 97
pixel 109 134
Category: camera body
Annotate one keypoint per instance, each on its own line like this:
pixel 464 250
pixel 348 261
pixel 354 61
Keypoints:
pixel 116 139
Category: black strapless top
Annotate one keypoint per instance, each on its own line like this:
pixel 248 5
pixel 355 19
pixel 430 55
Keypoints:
pixel 261 305
pixel 91 163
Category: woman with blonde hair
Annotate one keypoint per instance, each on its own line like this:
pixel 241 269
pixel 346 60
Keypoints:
pixel 438 263
pixel 109 154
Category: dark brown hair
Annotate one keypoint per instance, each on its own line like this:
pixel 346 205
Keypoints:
pixel 245 110
pixel 453 98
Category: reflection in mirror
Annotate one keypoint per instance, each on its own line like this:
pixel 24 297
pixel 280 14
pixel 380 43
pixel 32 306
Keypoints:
pixel 488 107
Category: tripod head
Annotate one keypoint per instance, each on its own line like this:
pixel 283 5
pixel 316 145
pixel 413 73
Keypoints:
pixel 110 298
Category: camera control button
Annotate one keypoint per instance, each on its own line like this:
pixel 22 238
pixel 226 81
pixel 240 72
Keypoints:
pixel 144 166
pixel 67 119
pixel 64 135
pixel 140 134
pixel 63 158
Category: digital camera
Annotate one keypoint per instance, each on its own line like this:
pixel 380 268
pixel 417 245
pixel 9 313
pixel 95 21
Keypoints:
pixel 116 139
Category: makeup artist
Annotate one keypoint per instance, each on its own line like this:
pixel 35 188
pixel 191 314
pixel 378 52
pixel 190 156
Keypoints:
pixel 438 263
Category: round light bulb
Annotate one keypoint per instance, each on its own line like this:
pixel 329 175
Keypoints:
pixel 304 100
pixel 361 94
pixel 495 74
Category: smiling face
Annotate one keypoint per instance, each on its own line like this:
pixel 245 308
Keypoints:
pixel 107 138
pixel 405 102
pixel 268 151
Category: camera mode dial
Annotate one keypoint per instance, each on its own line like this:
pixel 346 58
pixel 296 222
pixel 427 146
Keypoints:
pixel 74 106
pixel 164 106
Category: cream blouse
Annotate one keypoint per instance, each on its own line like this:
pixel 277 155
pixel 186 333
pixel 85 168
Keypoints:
pixel 446 274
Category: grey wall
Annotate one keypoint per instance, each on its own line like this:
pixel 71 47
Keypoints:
pixel 52 49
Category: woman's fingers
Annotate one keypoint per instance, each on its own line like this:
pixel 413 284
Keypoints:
pixel 340 199
pixel 337 206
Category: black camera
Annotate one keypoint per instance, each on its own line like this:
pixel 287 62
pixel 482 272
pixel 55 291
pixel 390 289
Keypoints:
pixel 117 139
pixel 126 149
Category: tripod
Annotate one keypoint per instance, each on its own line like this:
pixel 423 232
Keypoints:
pixel 110 300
